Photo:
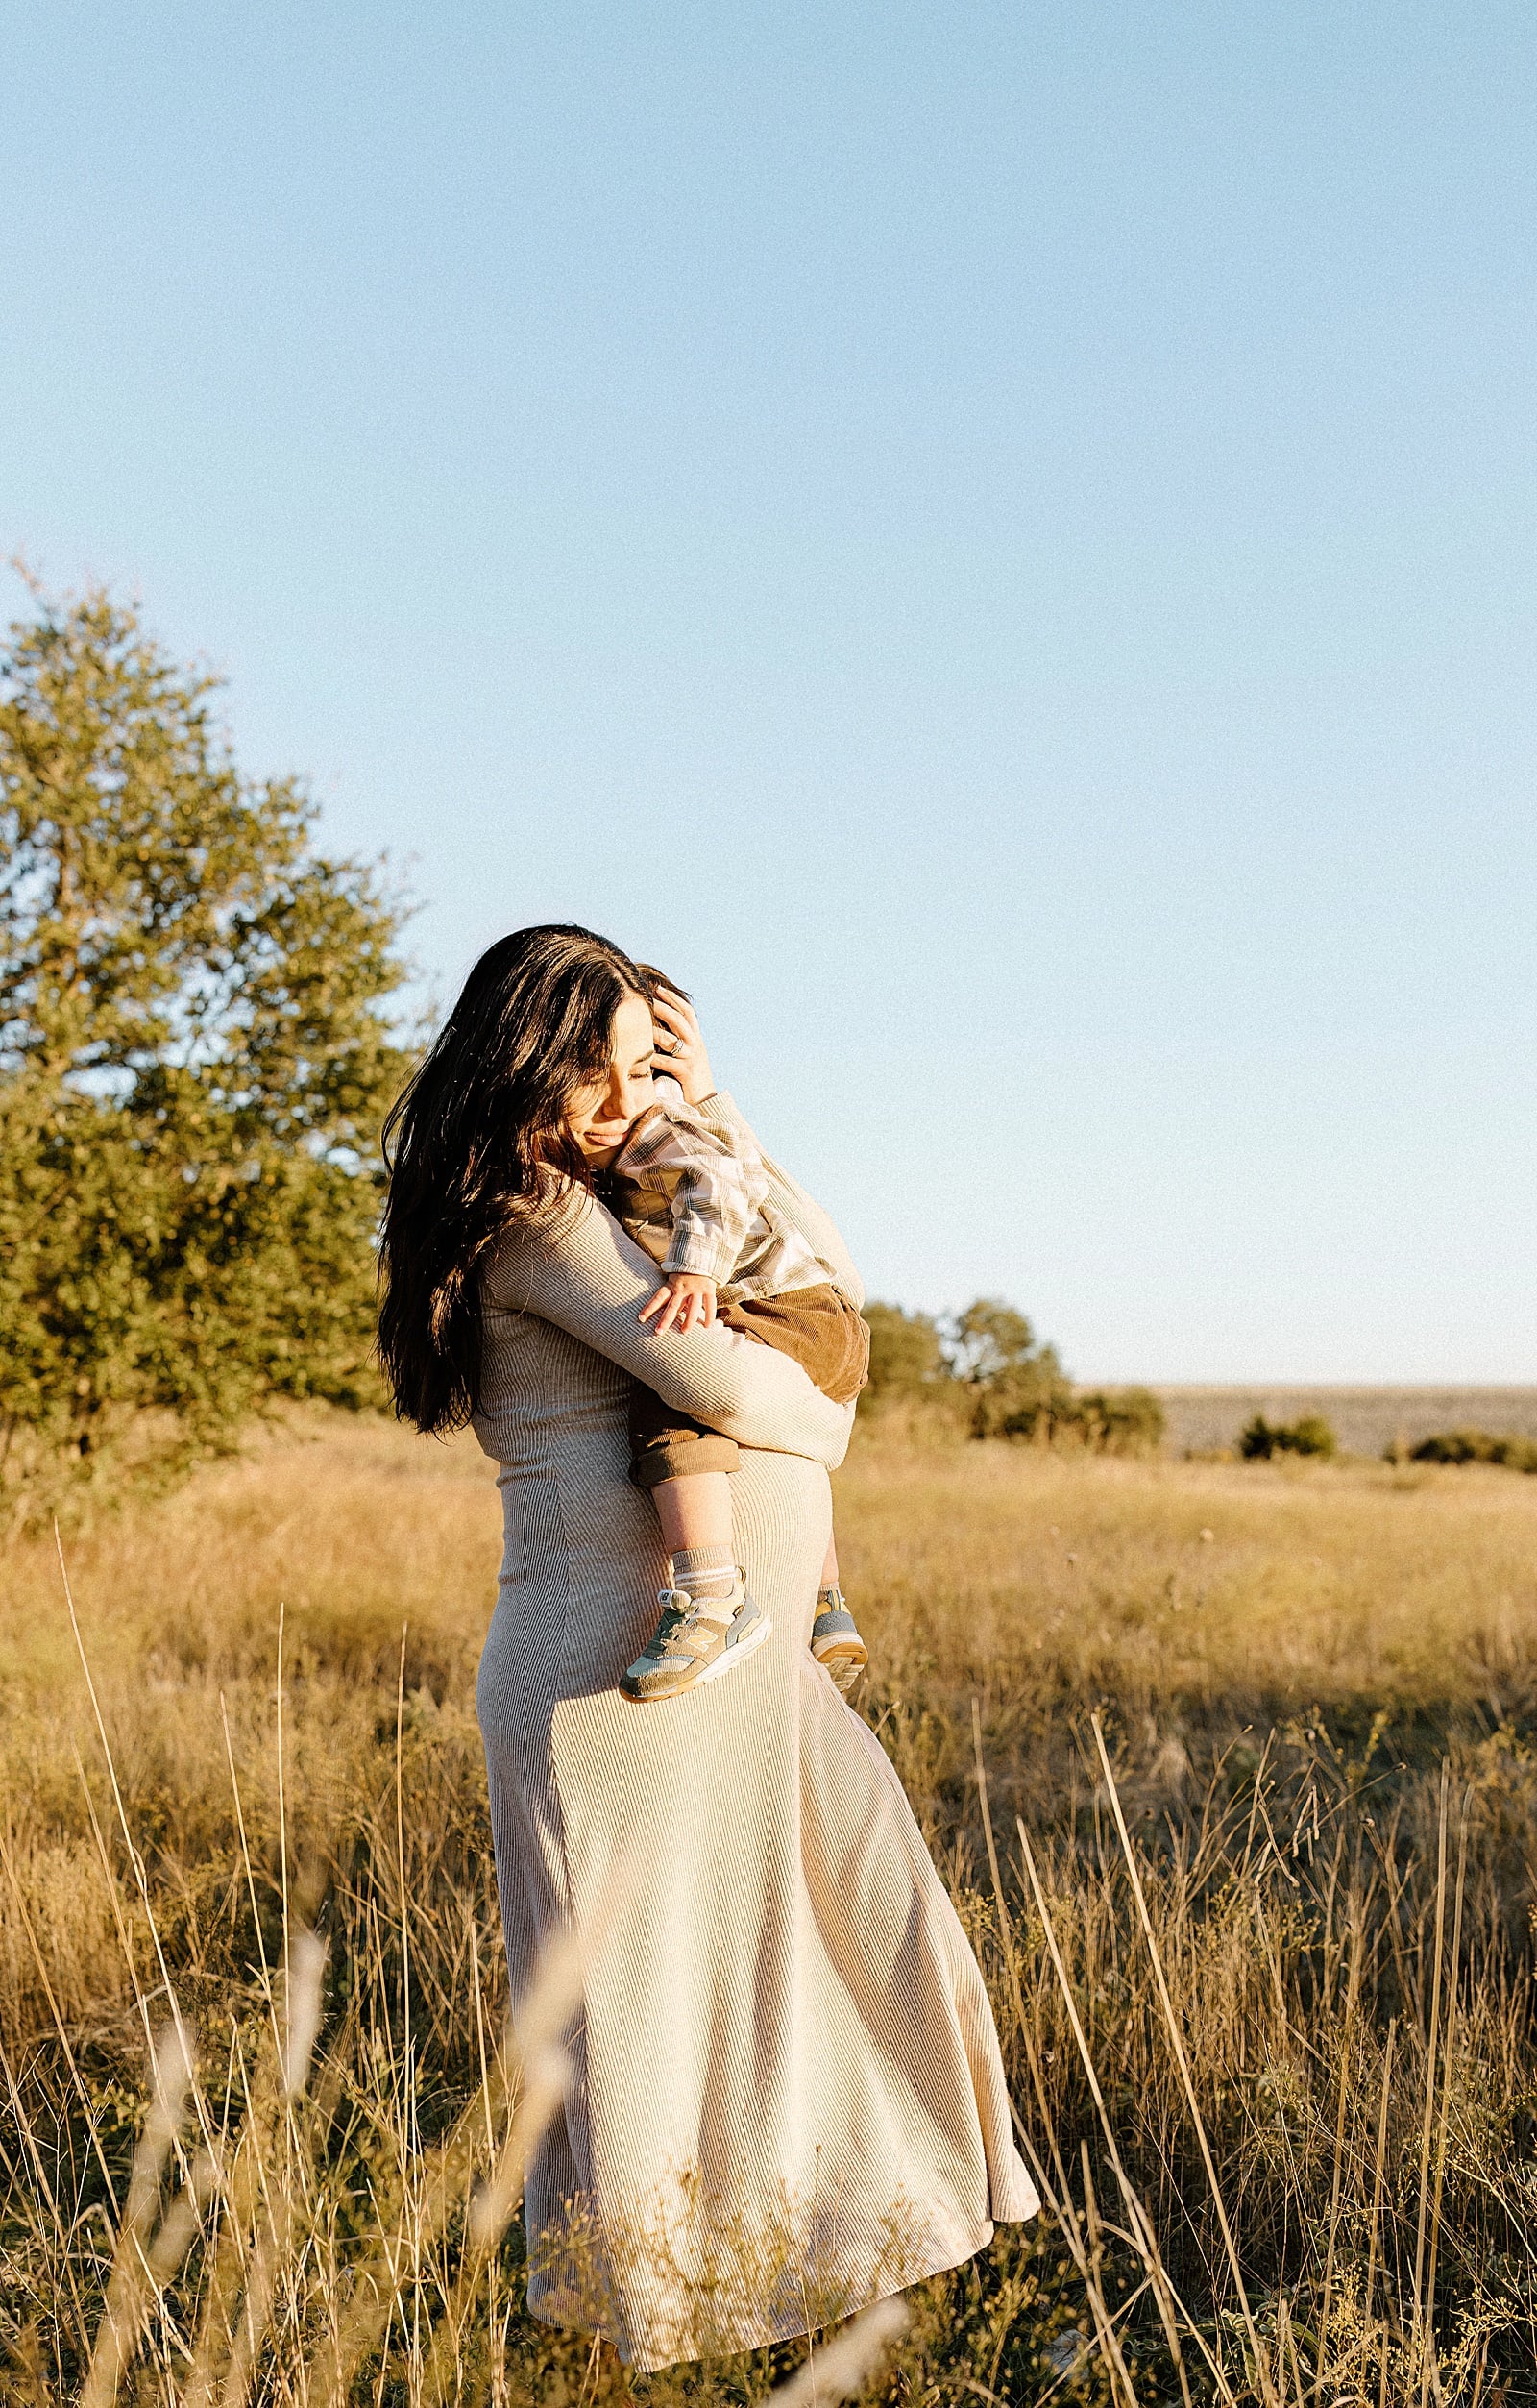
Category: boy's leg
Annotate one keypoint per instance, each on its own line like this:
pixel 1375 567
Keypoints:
pixel 709 1623
pixel 687 1470
pixel 666 1445
pixel 815 1327
pixel 835 1639
pixel 695 1519
pixel 818 1329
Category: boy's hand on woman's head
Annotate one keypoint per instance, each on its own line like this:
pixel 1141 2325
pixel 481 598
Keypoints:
pixel 684 1301
pixel 679 1046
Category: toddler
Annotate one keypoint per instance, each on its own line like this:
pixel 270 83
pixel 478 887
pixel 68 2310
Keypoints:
pixel 696 1195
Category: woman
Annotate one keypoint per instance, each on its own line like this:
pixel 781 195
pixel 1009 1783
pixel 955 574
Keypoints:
pixel 788 2097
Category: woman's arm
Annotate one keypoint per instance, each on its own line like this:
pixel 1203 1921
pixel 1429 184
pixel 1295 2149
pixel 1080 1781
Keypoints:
pixel 591 1280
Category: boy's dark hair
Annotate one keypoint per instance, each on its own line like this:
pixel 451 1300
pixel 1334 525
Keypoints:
pixel 658 982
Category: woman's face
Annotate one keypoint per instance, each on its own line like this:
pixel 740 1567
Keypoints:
pixel 599 1117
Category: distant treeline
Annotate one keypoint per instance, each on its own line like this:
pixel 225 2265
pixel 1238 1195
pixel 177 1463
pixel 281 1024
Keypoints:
pixel 1313 1435
pixel 1474 1447
pixel 983 1370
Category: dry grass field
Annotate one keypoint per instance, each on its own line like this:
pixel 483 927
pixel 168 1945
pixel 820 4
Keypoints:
pixel 1261 1953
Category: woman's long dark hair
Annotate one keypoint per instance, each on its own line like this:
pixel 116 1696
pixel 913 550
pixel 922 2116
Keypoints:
pixel 478 1141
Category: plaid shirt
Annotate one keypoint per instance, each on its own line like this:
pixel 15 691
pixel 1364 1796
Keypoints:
pixel 696 1199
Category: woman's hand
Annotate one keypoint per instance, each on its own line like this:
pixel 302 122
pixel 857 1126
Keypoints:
pixel 680 1047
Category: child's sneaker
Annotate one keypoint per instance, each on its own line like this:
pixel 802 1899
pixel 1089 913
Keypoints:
pixel 836 1643
pixel 698 1639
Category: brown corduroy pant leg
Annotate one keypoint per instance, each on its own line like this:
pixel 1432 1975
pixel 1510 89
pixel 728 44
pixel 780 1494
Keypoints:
pixel 816 1327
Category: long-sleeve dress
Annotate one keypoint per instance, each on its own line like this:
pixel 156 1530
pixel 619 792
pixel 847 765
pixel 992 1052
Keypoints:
pixel 788 2099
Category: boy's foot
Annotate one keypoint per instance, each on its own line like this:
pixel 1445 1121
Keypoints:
pixel 836 1643
pixel 698 1639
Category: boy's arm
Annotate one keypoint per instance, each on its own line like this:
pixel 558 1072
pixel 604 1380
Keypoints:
pixel 681 1044
pixel 802 1211
pixel 718 1180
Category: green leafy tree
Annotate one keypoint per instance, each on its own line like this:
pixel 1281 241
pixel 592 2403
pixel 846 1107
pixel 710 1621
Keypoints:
pixel 193 1060
pixel 907 1353
pixel 990 1338
pixel 983 1370
pixel 1019 1388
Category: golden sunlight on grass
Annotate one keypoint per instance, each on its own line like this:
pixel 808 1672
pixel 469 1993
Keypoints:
pixel 352 1524
pixel 1261 1959
pixel 1249 1587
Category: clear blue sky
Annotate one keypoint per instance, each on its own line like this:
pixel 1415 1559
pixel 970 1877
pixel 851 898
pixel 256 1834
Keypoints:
pixel 995 541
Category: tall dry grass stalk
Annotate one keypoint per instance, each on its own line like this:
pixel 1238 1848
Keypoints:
pixel 1243 1826
pixel 279 2307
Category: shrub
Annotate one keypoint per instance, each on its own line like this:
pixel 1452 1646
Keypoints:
pixel 1477 1447
pixel 1310 1436
pixel 1120 1421
pixel 1037 1402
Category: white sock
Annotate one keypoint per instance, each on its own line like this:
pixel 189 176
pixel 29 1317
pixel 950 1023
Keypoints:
pixel 709 1573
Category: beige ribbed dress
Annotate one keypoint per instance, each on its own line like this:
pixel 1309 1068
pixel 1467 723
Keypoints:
pixel 788 2099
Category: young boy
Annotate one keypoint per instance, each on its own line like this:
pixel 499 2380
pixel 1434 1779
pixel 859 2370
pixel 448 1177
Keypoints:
pixel 697 1197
